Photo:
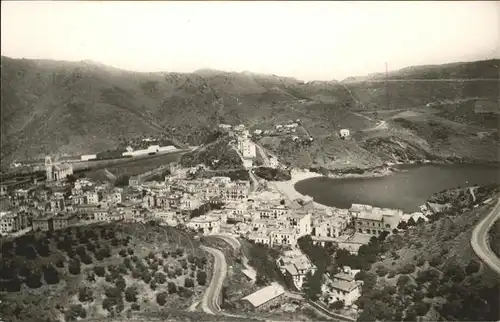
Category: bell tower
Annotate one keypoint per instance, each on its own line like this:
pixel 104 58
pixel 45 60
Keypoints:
pixel 48 168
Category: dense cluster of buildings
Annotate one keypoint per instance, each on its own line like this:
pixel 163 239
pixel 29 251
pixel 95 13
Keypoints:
pixel 207 206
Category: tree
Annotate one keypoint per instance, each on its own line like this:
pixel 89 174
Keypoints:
pixel 71 179
pixel 312 284
pixel 100 271
pixel 382 271
pixel 51 275
pixel 161 298
pixel 135 307
pixel 436 261
pixel 85 294
pixel 402 225
pixel 172 288
pixel 261 279
pixel 188 282
pixel 201 277
pixel 33 280
pixel 146 276
pixel 403 280
pixel 472 267
pixel 74 266
pixel 337 305
pixel 120 283
pixel 74 312
pixel 13 285
pixel 160 278
pixel 131 294
pixel 421 308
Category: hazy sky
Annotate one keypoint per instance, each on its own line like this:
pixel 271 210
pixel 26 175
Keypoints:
pixel 306 40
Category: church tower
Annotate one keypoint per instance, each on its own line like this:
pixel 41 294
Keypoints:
pixel 48 168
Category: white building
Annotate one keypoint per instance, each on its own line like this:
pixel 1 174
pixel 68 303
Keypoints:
pixel 283 237
pixel 166 217
pixel 88 157
pixel 296 265
pixel 57 172
pixel 345 133
pixel 205 224
pixel 92 197
pixel 247 148
pixel 373 220
pixel 343 287
pixel 273 162
pixel 12 222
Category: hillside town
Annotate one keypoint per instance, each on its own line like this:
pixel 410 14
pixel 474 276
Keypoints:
pixel 255 210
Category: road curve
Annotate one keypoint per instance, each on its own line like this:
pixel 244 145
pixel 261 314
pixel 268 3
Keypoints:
pixel 479 240
pixel 210 302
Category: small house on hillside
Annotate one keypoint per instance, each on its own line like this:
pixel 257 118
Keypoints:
pixel 265 298
pixel 344 133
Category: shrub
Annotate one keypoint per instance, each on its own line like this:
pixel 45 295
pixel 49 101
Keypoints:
pixel 391 274
pixel 135 307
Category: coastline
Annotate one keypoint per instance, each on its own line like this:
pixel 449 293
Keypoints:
pixel 287 188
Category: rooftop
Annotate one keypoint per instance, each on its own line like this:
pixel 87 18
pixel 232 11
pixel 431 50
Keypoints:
pixel 344 277
pixel 344 285
pixel 204 218
pixel 265 294
pixel 370 215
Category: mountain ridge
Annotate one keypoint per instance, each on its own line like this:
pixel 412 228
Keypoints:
pixel 51 107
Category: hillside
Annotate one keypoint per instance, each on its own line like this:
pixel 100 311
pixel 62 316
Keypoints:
pixel 54 107
pixel 99 271
pixel 430 270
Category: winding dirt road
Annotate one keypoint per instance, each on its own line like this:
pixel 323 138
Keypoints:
pixel 479 240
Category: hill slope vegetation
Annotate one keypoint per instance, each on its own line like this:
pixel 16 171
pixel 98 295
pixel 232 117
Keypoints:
pixel 72 108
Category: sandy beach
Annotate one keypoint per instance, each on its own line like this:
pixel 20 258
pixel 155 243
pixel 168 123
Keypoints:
pixel 287 188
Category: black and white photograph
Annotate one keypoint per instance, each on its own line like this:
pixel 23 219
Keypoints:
pixel 250 161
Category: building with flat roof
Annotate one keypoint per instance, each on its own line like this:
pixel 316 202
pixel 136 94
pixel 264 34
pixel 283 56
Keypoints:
pixel 373 220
